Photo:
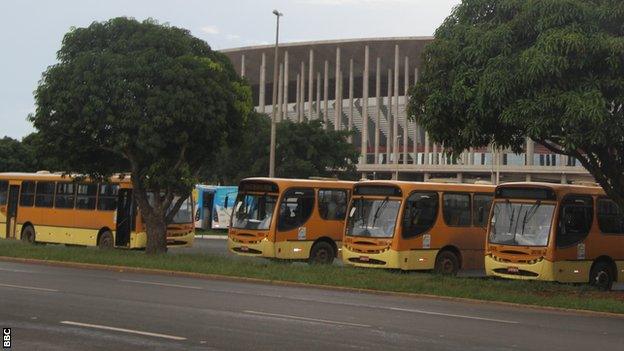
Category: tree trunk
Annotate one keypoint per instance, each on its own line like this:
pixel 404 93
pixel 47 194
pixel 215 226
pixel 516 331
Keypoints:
pixel 156 234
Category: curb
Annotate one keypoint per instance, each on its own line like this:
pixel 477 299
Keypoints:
pixel 208 276
pixel 211 237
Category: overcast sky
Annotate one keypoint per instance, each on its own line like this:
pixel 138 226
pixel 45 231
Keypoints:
pixel 31 31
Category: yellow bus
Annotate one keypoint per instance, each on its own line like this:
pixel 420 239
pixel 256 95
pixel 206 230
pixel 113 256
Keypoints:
pixel 54 208
pixel 555 232
pixel 293 219
pixel 417 226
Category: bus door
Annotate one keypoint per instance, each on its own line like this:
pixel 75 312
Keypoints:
pixel 208 207
pixel 125 215
pixel 12 211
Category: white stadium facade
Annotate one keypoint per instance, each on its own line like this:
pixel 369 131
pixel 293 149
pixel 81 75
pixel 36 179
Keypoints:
pixel 361 85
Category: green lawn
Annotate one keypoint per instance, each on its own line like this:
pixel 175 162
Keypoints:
pixel 524 292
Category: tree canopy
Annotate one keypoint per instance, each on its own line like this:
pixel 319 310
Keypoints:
pixel 302 150
pixel 553 70
pixel 144 98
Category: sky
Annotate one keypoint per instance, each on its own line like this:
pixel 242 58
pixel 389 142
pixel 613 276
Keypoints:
pixel 31 31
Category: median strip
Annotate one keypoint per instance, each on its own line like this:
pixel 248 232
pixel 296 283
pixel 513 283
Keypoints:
pixel 123 330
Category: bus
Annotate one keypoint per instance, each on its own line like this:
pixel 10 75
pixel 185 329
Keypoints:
pixel 214 206
pixel 555 232
pixel 49 207
pixel 291 219
pixel 417 226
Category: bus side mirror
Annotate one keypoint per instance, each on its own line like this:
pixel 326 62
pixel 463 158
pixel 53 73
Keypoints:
pixel 227 199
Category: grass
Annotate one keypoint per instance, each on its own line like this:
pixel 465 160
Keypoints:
pixel 523 292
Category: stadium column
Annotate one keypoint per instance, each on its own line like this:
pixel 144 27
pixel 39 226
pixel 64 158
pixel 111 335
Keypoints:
pixel 426 159
pixel 262 83
pixel 318 95
pixel 416 127
pixel 434 154
pixel 297 95
pixel 325 95
pixel 302 93
pixel 243 65
pixel 405 130
pixel 337 97
pixel 350 117
pixel 280 93
pixel 285 117
pixel 395 140
pixel 364 131
pixel 530 151
pixel 378 107
pixel 311 84
pixel 389 115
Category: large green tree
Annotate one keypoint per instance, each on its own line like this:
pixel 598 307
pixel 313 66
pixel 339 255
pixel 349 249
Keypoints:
pixel 302 150
pixel 16 156
pixel 144 98
pixel 552 70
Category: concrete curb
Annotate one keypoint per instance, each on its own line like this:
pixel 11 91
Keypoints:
pixel 208 276
pixel 211 237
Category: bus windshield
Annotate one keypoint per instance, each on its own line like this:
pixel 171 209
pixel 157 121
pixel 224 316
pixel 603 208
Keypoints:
pixel 373 218
pixel 521 224
pixel 253 211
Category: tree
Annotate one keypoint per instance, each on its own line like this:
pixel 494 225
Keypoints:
pixel 145 98
pixel 302 150
pixel 552 70
pixel 15 156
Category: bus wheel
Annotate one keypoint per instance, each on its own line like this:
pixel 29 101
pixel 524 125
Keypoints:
pixel 106 240
pixel 601 276
pixel 446 263
pixel 322 253
pixel 28 234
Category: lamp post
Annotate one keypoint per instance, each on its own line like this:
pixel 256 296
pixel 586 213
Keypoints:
pixel 274 107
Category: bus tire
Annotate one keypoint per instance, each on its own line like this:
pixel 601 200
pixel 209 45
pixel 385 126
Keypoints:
pixel 601 276
pixel 322 253
pixel 28 234
pixel 105 240
pixel 446 263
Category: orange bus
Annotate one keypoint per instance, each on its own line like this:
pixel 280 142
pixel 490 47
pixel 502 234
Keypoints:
pixel 54 208
pixel 417 226
pixel 555 232
pixel 293 219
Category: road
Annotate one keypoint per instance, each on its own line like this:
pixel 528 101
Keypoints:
pixel 56 308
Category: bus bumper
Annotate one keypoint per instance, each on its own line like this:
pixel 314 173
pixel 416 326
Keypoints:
pixel 391 259
pixel 185 240
pixel 540 270
pixel 263 248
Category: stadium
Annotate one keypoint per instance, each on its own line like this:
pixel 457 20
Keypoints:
pixel 360 85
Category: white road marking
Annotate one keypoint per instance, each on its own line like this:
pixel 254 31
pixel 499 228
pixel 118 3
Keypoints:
pixel 451 315
pixel 307 319
pixel 130 331
pixel 161 284
pixel 27 287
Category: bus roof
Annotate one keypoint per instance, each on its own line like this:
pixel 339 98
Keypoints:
pixel 49 176
pixel 559 189
pixel 288 182
pixel 407 186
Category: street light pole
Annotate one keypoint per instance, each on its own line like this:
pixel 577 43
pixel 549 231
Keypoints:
pixel 274 107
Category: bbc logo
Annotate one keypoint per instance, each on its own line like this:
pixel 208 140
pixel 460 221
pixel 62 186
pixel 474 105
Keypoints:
pixel 6 338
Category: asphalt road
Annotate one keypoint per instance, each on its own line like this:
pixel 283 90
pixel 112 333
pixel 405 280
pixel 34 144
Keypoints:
pixel 54 308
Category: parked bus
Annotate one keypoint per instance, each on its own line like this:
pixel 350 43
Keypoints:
pixel 555 232
pixel 292 219
pixel 214 206
pixel 417 226
pixel 53 208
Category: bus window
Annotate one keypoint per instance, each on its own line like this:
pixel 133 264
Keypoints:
pixel 481 204
pixel 65 193
pixel 107 200
pixel 609 217
pixel 4 188
pixel 421 211
pixel 253 211
pixel 456 209
pixel 332 204
pixel 85 198
pixel 374 218
pixel 27 197
pixel 45 194
pixel 295 208
pixel 575 219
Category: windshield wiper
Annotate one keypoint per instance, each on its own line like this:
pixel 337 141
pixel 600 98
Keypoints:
pixel 383 204
pixel 529 214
